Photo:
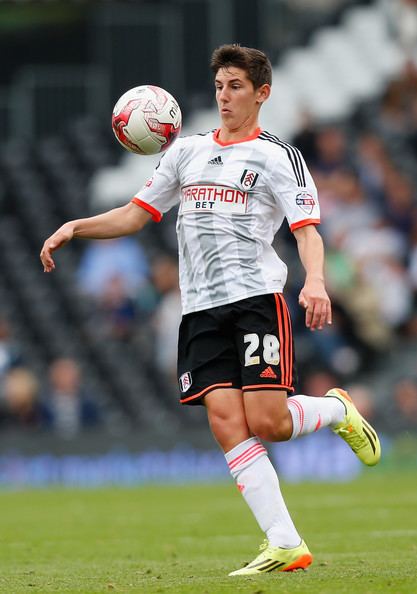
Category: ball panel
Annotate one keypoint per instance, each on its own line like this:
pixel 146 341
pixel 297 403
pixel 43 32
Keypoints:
pixel 150 146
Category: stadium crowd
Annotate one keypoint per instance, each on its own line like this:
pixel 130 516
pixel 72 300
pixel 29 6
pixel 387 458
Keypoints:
pixel 60 403
pixel 365 173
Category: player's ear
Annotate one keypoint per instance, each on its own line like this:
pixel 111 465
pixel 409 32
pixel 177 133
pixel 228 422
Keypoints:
pixel 263 93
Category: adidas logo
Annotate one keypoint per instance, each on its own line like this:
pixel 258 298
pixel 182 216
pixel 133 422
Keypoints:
pixel 216 161
pixel 268 372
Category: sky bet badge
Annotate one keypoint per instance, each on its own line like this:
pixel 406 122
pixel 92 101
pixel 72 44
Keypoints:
pixel 305 201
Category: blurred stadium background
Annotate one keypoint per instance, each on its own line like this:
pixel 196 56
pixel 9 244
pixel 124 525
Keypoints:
pixel 87 354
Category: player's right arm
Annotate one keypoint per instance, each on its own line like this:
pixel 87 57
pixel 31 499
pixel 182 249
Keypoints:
pixel 117 222
pixel 159 194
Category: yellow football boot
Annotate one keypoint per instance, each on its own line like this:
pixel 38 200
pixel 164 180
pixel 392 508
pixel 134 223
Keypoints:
pixel 277 559
pixel 356 431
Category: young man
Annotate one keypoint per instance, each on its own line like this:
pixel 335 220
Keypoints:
pixel 236 356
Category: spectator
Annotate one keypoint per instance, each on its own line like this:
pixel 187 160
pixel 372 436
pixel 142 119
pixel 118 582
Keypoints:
pixel 105 259
pixel 332 151
pixel 319 382
pixel 116 310
pixel 69 407
pixel 412 128
pixel 371 162
pixel 413 255
pixel 10 354
pixel 402 410
pixel 400 201
pixel 365 401
pixel 20 406
pixel 306 139
pixel 391 118
pixel 347 208
pixel 167 316
pixel 358 301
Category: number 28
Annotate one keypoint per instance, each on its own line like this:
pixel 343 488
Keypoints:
pixel 270 353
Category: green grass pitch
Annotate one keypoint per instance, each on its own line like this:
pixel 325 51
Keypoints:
pixel 185 539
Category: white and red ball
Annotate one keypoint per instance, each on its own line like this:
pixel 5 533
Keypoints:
pixel 146 120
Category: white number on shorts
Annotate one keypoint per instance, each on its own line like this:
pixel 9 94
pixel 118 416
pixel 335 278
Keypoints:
pixel 270 353
pixel 253 340
pixel 271 349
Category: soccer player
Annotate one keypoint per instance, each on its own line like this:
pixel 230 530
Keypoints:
pixel 235 187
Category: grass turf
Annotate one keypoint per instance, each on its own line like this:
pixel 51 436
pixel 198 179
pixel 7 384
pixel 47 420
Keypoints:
pixel 185 539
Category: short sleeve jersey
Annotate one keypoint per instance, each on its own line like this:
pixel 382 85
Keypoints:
pixel 233 199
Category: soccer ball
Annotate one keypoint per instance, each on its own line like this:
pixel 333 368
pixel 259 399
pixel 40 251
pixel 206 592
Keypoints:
pixel 146 120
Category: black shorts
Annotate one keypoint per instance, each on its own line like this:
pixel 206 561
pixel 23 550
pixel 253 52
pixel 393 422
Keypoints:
pixel 246 345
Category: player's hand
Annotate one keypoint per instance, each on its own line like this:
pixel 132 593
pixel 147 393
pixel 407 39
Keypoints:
pixel 315 300
pixel 62 236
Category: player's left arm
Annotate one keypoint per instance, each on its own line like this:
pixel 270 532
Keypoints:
pixel 313 296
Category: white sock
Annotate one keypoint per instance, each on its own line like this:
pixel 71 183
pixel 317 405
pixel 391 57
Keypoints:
pixel 310 413
pixel 258 482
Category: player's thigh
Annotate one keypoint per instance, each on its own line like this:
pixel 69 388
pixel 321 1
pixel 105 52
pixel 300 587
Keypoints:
pixel 207 356
pixel 227 417
pixel 267 414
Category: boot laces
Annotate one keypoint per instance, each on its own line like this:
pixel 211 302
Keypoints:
pixel 264 545
pixel 355 440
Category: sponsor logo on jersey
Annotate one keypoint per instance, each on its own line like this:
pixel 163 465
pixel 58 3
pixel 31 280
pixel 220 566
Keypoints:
pixel 249 179
pixel 202 198
pixel 149 182
pixel 305 201
pixel 216 161
pixel 185 381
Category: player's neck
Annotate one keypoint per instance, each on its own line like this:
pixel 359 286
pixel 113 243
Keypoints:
pixel 227 135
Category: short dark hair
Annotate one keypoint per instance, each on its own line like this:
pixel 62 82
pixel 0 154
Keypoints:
pixel 255 63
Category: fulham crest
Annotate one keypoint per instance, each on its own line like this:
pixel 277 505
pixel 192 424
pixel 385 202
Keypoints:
pixel 185 381
pixel 249 179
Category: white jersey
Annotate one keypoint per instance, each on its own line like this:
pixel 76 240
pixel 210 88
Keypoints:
pixel 233 199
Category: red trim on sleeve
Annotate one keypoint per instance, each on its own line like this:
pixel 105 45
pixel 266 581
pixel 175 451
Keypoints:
pixel 304 223
pixel 156 215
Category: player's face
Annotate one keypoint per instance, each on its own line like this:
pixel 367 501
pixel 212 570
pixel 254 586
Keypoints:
pixel 237 99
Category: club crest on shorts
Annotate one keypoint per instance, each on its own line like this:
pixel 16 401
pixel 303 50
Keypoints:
pixel 185 381
pixel 249 179
pixel 305 201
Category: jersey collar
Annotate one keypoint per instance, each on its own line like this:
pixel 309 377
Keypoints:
pixel 251 137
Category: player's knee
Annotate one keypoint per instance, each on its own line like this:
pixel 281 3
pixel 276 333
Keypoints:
pixel 271 429
pixel 218 423
pixel 227 428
